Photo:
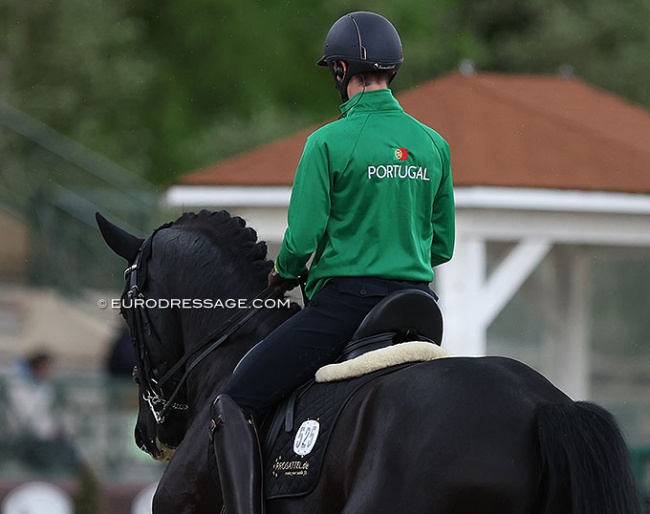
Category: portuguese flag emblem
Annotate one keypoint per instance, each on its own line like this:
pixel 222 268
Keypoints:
pixel 401 154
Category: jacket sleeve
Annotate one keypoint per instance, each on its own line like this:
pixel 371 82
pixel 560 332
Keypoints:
pixel 443 216
pixel 309 210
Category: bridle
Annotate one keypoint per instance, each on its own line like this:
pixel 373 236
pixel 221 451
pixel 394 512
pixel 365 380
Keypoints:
pixel 146 374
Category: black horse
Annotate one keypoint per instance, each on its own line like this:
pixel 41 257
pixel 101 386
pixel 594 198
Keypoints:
pixel 455 435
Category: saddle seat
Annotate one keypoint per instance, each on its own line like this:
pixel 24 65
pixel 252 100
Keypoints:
pixel 406 315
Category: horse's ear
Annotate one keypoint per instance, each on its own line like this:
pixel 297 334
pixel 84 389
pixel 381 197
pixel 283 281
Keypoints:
pixel 119 240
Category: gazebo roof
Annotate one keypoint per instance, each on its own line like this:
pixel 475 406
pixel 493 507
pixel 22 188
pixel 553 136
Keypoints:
pixel 512 131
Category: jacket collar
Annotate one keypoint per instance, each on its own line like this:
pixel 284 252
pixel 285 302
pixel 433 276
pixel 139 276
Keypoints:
pixel 365 101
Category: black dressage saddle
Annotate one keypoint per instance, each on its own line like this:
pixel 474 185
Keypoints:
pixel 406 315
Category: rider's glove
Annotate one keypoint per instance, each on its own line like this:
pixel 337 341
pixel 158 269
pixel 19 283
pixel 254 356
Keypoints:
pixel 280 283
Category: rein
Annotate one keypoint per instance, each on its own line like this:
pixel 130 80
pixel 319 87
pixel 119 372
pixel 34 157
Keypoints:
pixel 208 344
pixel 134 285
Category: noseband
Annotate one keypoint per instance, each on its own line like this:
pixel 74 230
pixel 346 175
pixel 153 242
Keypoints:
pixel 146 372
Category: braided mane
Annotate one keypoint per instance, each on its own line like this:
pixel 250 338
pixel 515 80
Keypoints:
pixel 229 240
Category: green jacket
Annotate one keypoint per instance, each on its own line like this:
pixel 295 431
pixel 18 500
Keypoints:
pixel 372 196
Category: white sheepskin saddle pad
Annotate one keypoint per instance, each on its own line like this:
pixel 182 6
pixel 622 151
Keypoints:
pixel 414 351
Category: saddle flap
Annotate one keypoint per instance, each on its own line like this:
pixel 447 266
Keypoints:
pixel 294 459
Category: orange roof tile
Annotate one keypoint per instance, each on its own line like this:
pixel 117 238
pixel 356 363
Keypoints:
pixel 504 130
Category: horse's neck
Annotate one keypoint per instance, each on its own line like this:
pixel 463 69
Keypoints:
pixel 221 279
pixel 209 272
pixel 218 366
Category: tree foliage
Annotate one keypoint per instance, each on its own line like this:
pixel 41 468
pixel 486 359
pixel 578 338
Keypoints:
pixel 166 87
pixel 79 66
pixel 601 41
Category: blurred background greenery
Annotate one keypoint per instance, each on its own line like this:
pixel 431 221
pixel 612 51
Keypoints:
pixel 163 87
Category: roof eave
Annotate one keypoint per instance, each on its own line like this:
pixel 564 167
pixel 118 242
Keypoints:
pixel 476 197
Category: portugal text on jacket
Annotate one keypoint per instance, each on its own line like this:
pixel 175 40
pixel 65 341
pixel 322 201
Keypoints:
pixel 398 171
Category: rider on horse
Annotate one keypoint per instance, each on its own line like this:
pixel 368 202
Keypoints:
pixel 372 201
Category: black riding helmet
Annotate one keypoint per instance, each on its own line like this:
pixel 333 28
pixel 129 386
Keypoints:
pixel 367 42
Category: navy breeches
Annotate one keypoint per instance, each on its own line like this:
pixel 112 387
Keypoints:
pixel 293 352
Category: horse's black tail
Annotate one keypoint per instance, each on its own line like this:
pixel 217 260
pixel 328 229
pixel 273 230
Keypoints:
pixel 586 464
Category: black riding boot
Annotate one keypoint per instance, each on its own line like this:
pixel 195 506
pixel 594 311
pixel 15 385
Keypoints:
pixel 239 458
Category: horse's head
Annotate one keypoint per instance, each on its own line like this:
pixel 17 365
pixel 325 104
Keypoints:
pixel 156 433
pixel 208 256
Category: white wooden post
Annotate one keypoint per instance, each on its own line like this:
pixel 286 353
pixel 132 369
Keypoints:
pixel 565 351
pixel 471 300
pixel 459 285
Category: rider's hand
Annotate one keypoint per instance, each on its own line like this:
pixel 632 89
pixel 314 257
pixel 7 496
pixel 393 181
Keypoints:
pixel 280 283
